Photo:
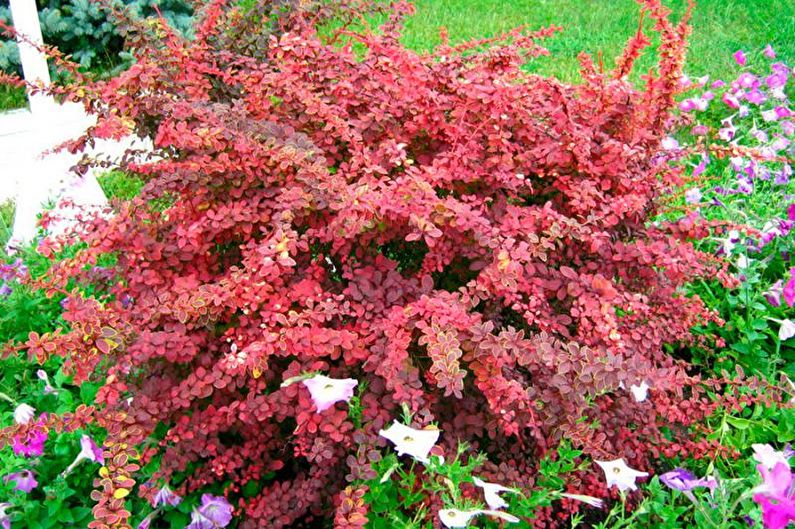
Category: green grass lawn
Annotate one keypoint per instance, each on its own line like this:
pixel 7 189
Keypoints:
pixel 720 27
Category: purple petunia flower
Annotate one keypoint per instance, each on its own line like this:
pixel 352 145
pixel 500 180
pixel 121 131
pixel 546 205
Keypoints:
pixel 744 185
pixel 216 509
pixel 684 481
pixel 24 480
pixel 165 496
pixel 146 522
pixel 197 521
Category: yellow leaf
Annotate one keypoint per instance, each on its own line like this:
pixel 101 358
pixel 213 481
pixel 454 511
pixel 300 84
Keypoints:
pixel 121 493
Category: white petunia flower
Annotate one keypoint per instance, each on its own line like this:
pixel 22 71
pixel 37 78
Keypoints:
pixel 491 492
pixel 416 443
pixel 669 144
pixel 454 518
pixel 769 456
pixel 590 500
pixel 327 391
pixel 640 391
pixel 787 330
pixel 619 474
pixel 24 413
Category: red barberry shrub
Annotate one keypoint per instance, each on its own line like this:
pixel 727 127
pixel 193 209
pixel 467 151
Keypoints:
pixel 460 236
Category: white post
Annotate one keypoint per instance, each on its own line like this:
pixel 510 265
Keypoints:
pixel 39 180
pixel 34 63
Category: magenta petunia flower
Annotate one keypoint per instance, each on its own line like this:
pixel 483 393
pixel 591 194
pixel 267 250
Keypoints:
pixel 740 58
pixel 166 496
pixel 32 443
pixel 24 480
pixel 789 289
pixel 216 509
pixel 775 496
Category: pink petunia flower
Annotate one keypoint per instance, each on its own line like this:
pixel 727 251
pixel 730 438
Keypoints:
pixel 89 451
pixel 769 52
pixel 326 392
pixel 755 97
pixel 740 58
pixel 731 100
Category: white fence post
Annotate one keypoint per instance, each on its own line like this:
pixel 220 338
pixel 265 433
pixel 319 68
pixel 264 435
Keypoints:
pixel 39 180
pixel 34 63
